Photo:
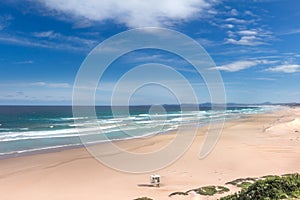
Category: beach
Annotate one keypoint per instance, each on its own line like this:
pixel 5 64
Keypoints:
pixel 261 144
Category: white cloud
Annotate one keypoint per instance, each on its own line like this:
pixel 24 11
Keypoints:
pixel 249 40
pixel 231 34
pixel 238 65
pixel 50 39
pixel 291 32
pixel 234 12
pixel 20 41
pixel 287 68
pixel 248 12
pixel 265 79
pixel 230 25
pixel 24 62
pixel 236 20
pixel 51 85
pixel 64 38
pixel 247 32
pixel 245 37
pixel 251 37
pixel 59 85
pixel 5 21
pixel 44 34
pixel 206 42
pixel 132 13
pixel 242 64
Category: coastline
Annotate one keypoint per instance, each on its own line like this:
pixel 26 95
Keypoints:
pixel 56 134
pixel 260 145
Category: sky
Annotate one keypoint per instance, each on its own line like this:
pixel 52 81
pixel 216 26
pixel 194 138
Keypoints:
pixel 254 45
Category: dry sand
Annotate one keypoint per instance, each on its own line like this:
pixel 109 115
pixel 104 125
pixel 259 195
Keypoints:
pixel 250 147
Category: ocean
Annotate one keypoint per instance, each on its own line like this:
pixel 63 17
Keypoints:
pixel 35 129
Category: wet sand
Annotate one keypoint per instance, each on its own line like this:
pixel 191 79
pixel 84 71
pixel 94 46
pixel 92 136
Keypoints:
pixel 251 147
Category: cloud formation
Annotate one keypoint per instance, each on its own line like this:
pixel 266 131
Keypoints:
pixel 287 68
pixel 246 40
pixel 132 13
pixel 5 21
pixel 243 64
pixel 244 28
pixel 237 66
pixel 249 37
pixel 24 62
pixel 49 39
pixel 51 85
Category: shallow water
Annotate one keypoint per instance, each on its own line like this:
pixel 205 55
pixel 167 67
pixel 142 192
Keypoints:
pixel 30 129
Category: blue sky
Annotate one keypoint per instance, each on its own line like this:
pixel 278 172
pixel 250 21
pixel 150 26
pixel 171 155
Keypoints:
pixel 255 45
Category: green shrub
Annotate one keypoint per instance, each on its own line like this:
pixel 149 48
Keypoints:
pixel 271 187
pixel 222 189
pixel 206 190
pixel 143 198
pixel 244 185
pixel 240 180
pixel 178 193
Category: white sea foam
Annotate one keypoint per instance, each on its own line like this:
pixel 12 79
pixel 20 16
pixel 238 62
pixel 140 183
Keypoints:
pixel 76 125
pixel 5 129
pixel 79 144
pixel 73 118
pixel 38 149
pixel 71 132
pixel 119 128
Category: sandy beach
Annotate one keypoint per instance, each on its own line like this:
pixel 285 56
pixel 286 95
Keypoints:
pixel 260 145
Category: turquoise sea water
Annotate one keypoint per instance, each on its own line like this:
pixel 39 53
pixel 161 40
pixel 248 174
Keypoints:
pixel 32 129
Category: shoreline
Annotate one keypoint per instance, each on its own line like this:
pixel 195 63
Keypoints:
pixel 61 148
pixel 248 147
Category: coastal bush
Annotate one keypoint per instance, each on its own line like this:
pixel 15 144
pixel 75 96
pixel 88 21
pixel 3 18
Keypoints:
pixel 222 189
pixel 206 190
pixel 269 176
pixel 270 187
pixel 143 198
pixel 178 193
pixel 244 184
pixel 240 180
